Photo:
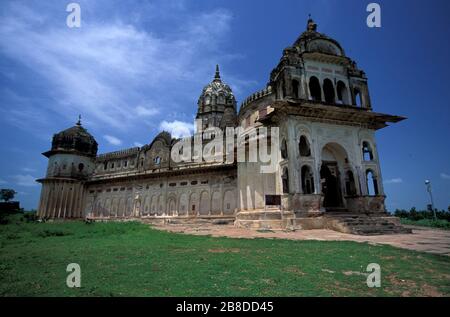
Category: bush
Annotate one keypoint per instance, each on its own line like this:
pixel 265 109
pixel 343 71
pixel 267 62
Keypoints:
pixel 3 219
pixel 417 215
pixel 30 217
pixel 440 223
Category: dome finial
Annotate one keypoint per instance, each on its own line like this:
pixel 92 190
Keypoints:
pixel 217 76
pixel 311 25
pixel 79 120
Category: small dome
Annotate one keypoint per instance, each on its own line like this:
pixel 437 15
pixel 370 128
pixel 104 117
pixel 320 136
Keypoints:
pixel 216 93
pixel 313 41
pixel 76 139
pixel 163 136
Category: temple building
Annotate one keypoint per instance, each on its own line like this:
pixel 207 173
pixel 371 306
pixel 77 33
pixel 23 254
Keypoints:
pixel 327 171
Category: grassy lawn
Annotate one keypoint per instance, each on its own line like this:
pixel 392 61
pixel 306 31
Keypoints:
pixel 440 223
pixel 132 259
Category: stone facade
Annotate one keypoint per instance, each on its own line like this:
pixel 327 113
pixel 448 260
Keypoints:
pixel 327 160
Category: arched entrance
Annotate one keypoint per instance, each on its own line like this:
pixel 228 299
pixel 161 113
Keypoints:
pixel 334 157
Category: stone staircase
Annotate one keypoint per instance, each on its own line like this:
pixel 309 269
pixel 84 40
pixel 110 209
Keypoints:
pixel 363 224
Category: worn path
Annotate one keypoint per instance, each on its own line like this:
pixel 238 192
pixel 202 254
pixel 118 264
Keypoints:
pixel 422 239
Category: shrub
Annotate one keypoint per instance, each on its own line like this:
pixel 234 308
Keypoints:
pixel 30 216
pixel 53 233
pixel 440 223
pixel 417 215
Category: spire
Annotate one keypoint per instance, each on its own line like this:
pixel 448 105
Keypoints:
pixel 79 120
pixel 217 76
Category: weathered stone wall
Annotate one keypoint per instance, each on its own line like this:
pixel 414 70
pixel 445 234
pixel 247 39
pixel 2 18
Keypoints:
pixel 61 198
pixel 181 196
pixel 366 204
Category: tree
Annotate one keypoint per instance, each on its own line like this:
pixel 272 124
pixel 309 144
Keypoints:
pixel 7 194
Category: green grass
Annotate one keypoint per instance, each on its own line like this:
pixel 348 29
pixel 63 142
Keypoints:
pixel 132 259
pixel 440 223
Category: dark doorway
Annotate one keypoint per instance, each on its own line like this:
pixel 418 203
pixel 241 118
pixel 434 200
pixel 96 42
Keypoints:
pixel 331 189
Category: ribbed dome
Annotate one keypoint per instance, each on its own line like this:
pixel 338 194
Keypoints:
pixel 216 93
pixel 76 139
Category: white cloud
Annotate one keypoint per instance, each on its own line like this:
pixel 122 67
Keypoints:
pixel 146 112
pixel 177 128
pixel 24 180
pixel 27 169
pixel 138 144
pixel 112 140
pixel 445 176
pixel 108 65
pixel 393 181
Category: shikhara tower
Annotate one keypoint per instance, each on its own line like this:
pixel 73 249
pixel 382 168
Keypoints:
pixel 327 167
pixel 216 105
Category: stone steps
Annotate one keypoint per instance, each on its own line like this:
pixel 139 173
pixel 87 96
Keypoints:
pixel 362 224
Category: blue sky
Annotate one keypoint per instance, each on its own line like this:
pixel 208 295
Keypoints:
pixel 136 67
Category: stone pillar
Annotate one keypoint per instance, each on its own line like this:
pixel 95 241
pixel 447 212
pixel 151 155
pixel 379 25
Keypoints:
pixel 362 181
pixel 63 206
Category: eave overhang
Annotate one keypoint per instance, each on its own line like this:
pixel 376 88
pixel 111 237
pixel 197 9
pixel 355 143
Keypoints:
pixel 342 114
pixel 64 151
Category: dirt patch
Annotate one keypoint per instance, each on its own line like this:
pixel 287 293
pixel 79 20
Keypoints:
pixel 349 273
pixel 232 250
pixel 425 290
pixel 388 257
pixel 431 291
pixel 294 269
pixel 268 281
pixel 405 286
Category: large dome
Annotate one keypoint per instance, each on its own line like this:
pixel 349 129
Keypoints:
pixel 313 41
pixel 75 139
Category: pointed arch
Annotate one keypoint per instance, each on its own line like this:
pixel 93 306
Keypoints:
pixel 304 147
pixel 328 91
pixel 121 211
pixel 215 203
pixel 172 205
pixel 229 203
pixel 183 204
pixel 204 203
pixel 307 178
pixel 367 151
pixel 161 205
pixel 129 207
pixel 371 183
pixel 342 93
pixel 358 97
pixel 295 88
pixel 315 91
pixel 193 204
